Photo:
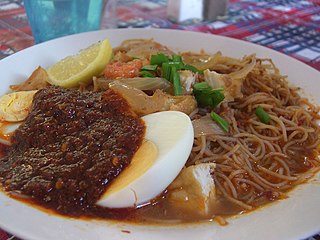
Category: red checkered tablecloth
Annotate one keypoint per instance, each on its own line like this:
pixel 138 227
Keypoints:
pixel 288 26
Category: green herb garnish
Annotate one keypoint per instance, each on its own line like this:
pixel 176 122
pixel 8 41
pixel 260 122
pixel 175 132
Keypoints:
pixel 170 67
pixel 176 58
pixel 149 68
pixel 166 71
pixel 262 115
pixel 176 82
pixel 159 59
pixel 218 119
pixel 206 96
pixel 146 74
pixel 170 72
pixel 192 68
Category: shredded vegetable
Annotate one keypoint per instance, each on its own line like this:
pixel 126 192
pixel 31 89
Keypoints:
pixel 176 82
pixel 159 59
pixel 141 83
pixel 149 67
pixel 170 67
pixel 262 115
pixel 147 74
pixel 218 119
pixel 206 96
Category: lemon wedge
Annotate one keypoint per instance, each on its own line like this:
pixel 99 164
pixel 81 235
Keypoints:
pixel 73 70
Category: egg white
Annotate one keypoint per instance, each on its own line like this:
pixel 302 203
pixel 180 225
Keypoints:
pixel 6 131
pixel 168 143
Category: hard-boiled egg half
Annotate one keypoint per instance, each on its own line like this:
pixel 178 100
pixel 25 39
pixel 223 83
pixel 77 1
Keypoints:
pixel 14 108
pixel 164 152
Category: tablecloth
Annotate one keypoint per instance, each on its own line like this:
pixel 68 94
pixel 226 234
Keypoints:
pixel 288 26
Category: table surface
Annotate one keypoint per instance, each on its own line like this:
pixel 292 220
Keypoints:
pixel 288 26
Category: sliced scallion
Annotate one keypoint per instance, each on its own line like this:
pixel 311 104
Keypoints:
pixel 206 96
pixel 176 82
pixel 192 69
pixel 262 115
pixel 170 67
pixel 166 71
pixel 176 58
pixel 177 65
pixel 218 119
pixel 149 67
pixel 146 74
pixel 201 86
pixel 158 59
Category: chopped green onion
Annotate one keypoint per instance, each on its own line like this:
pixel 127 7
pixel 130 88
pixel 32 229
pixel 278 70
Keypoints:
pixel 176 58
pixel 176 82
pixel 262 115
pixel 166 71
pixel 192 69
pixel 170 72
pixel 209 99
pixel 158 59
pixel 206 96
pixel 170 67
pixel 177 65
pixel 201 86
pixel 149 67
pixel 146 74
pixel 218 119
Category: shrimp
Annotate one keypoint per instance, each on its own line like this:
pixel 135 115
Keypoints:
pixel 118 70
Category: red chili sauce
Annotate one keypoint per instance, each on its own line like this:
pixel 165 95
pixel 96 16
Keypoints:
pixel 70 148
pixel 3 149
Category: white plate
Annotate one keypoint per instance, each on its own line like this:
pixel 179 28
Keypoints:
pixel 294 218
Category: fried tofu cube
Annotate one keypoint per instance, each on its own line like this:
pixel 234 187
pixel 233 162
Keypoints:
pixel 194 189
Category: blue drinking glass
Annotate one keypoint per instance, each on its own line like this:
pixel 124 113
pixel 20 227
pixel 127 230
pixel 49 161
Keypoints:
pixel 50 19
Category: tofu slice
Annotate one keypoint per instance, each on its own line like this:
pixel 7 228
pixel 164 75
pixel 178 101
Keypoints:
pixel 194 189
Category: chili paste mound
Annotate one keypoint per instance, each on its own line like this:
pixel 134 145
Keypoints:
pixel 70 148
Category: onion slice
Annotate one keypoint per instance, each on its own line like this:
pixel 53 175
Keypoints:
pixel 144 84
pixel 206 126
pixel 243 72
